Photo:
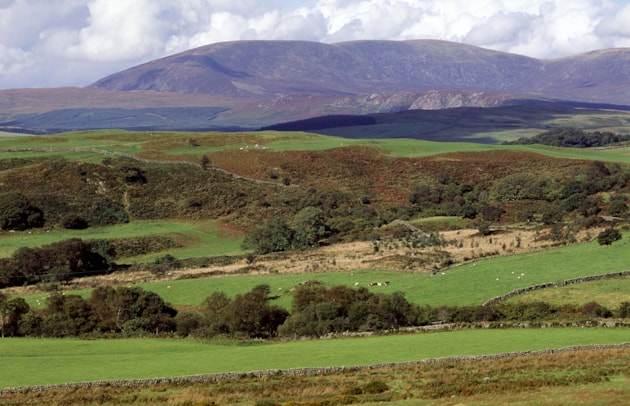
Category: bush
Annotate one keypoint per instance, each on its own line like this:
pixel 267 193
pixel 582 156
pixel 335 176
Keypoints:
pixel 375 387
pixel 608 236
pixel 58 262
pixel 74 222
pixel 594 309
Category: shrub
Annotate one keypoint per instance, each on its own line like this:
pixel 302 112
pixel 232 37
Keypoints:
pixel 594 309
pixel 375 386
pixel 73 222
pixel 608 236
pixel 58 262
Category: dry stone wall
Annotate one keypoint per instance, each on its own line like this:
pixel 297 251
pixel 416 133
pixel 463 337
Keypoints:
pixel 231 376
pixel 565 282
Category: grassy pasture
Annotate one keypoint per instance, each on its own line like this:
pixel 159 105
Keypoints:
pixel 609 293
pixel 198 238
pixel 563 378
pixel 621 155
pixel 469 284
pixel 172 144
pixel 49 361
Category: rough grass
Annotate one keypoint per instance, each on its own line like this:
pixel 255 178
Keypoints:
pixel 48 361
pixel 177 144
pixel 576 378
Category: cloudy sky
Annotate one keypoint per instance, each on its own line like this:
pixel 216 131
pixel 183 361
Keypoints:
pixel 51 43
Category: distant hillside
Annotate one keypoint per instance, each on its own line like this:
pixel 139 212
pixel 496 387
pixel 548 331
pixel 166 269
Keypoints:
pixel 253 84
pixel 157 118
pixel 266 69
pixel 488 125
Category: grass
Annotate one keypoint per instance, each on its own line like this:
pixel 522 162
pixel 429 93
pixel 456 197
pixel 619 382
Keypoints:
pixel 621 155
pixel 469 284
pixel 199 238
pixel 582 377
pixel 574 377
pixel 49 361
pixel 176 143
pixel 609 293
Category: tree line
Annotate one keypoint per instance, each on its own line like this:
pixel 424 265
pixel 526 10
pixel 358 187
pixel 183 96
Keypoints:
pixel 316 311
pixel 57 262
pixel 572 137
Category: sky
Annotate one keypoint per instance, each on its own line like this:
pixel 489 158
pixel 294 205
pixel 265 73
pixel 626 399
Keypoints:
pixel 55 43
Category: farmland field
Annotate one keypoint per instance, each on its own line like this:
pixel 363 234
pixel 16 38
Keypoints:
pixel 176 144
pixel 468 284
pixel 49 361
pixel 607 293
pixel 206 221
pixel 197 238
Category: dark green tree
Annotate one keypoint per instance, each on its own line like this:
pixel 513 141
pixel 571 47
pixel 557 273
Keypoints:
pixel 272 236
pixel 212 315
pixel 250 315
pixel 608 236
pixel 16 212
pixel 11 313
pixel 3 311
pixel 309 226
pixel 67 316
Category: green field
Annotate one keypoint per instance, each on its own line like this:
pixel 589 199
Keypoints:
pixel 176 143
pixel 609 293
pixel 49 361
pixel 201 238
pixel 469 284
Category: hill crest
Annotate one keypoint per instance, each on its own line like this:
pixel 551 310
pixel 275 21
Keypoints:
pixel 267 69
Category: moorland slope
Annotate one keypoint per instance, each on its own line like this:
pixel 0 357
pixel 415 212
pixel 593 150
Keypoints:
pixel 261 83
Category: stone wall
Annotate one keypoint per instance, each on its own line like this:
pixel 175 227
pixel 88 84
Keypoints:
pixel 553 285
pixel 231 376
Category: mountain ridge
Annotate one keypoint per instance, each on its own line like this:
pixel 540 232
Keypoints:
pixel 267 69
pixel 261 83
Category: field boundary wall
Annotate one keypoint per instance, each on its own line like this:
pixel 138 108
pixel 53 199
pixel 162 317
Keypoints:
pixel 232 376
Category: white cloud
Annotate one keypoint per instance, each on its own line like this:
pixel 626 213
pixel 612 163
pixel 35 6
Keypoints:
pixel 119 30
pixel 74 42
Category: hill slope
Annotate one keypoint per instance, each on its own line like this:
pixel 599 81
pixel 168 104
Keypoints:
pixel 251 84
pixel 268 68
